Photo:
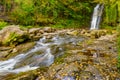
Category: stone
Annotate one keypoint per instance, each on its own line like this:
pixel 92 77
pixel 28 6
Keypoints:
pixel 48 29
pixel 12 35
pixel 3 48
pixel 22 48
pixel 3 54
pixel 38 34
pixel 108 38
pixel 34 30
pixel 83 31
pixel 36 38
pixel 73 33
pixel 41 31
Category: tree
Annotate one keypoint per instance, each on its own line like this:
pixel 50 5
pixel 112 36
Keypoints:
pixel 47 12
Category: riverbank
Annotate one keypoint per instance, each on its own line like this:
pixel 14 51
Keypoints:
pixel 93 57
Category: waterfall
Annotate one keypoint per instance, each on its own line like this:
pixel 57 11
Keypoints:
pixel 97 13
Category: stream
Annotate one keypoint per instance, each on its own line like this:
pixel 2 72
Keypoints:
pixel 40 55
pixel 62 56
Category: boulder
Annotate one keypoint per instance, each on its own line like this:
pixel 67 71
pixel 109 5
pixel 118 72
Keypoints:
pixel 97 33
pixel 73 33
pixel 34 30
pixel 9 52
pixel 48 29
pixel 12 35
pixel 36 33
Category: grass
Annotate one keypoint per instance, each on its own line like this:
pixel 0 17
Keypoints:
pixel 3 24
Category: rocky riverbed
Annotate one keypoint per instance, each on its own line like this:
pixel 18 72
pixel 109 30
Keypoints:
pixel 92 57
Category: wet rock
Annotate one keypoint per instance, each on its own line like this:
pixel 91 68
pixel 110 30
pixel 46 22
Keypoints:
pixel 49 36
pixel 4 51
pixel 95 61
pixel 19 49
pixel 35 38
pixel 24 47
pixel 3 54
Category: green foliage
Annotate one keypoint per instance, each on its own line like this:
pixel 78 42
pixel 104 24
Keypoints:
pixel 67 24
pixel 64 13
pixel 111 14
pixel 26 27
pixel 2 24
pixel 50 12
pixel 22 13
pixel 105 26
pixel 118 46
pixel 111 11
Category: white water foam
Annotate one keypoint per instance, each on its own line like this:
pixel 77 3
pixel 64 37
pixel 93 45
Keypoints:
pixel 31 60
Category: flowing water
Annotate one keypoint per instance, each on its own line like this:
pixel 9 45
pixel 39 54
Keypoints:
pixel 96 16
pixel 39 56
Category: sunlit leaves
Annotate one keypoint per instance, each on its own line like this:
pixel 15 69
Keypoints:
pixel 27 5
pixel 29 12
pixel 111 11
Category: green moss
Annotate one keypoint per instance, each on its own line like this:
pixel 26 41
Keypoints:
pixel 14 39
pixel 11 39
pixel 86 42
pixel 2 24
pixel 61 58
pixel 118 47
pixel 26 27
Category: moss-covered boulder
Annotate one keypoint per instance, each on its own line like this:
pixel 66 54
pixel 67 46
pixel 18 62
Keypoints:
pixel 12 35
pixel 96 33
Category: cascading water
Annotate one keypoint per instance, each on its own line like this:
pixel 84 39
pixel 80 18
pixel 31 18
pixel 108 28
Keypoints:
pixel 96 16
pixel 39 56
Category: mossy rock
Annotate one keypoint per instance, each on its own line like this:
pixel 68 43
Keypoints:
pixel 13 35
pixel 14 39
